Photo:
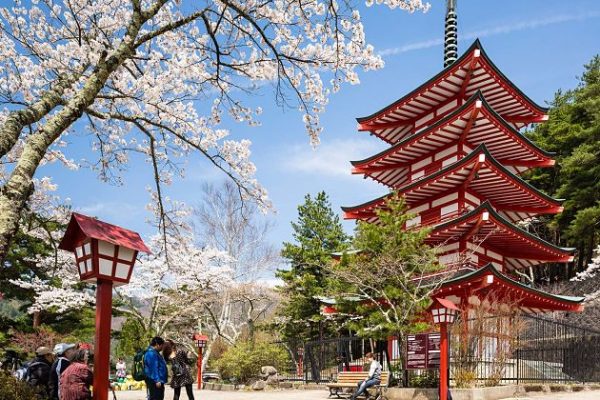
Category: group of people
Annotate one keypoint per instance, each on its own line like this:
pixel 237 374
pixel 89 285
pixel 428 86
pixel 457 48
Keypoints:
pixel 61 373
pixel 158 354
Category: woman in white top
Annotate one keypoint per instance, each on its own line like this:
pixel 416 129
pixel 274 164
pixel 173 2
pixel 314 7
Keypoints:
pixel 373 379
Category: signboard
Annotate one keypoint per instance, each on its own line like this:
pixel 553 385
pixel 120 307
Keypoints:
pixel 433 350
pixel 423 351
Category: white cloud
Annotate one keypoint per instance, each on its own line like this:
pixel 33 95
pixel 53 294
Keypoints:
pixel 332 158
pixel 492 31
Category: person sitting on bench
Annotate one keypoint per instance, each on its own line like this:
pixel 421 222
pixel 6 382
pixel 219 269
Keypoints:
pixel 373 379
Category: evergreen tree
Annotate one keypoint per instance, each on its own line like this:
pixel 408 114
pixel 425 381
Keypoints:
pixel 573 133
pixel 386 283
pixel 317 234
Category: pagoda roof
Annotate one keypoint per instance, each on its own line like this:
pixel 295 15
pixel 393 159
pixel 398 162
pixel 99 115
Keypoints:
pixel 481 175
pixel 473 71
pixel 488 281
pixel 489 229
pixel 472 124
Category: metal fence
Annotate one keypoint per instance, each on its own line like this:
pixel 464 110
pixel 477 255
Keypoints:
pixel 554 351
pixel 545 351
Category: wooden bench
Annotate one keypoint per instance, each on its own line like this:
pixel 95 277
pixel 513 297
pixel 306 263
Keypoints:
pixel 351 379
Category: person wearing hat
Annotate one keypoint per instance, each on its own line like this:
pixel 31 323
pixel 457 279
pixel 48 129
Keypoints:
pixel 38 372
pixel 63 351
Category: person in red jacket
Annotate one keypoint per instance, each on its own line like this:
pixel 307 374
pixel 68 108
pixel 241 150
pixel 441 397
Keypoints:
pixel 75 382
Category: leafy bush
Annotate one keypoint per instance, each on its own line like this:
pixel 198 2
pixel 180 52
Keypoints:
pixel 12 389
pixel 243 361
pixel 426 380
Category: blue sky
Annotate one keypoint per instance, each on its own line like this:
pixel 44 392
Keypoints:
pixel 540 45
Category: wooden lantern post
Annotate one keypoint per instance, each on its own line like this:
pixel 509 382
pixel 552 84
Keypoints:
pixel 104 254
pixel 201 341
pixel 444 313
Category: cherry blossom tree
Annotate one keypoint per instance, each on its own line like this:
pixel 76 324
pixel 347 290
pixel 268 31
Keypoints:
pixel 157 77
pixel 55 282
pixel 588 278
pixel 170 286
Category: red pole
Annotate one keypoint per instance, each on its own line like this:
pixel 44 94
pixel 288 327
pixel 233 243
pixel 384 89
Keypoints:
pixel 102 345
pixel 443 361
pixel 200 368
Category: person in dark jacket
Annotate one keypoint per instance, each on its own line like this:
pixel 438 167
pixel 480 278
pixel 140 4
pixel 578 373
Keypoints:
pixel 38 372
pixel 180 376
pixel 75 382
pixel 63 351
pixel 155 369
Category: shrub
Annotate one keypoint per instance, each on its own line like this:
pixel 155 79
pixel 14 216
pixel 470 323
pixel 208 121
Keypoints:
pixel 12 389
pixel 243 361
pixel 426 380
pixel 465 378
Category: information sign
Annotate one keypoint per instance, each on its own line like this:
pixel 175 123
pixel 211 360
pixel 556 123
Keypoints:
pixel 423 351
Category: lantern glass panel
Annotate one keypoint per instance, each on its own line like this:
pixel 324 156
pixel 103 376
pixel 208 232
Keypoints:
pixel 105 267
pixel 88 265
pixel 125 254
pixel 87 249
pixel 79 251
pixel 105 248
pixel 82 267
pixel 122 271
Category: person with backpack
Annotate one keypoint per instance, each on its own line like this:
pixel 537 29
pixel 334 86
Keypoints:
pixel 64 351
pixel 155 369
pixel 181 376
pixel 38 372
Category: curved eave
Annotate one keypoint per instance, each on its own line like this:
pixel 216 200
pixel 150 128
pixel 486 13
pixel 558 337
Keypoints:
pixel 487 207
pixel 467 106
pixel 478 278
pixel 481 149
pixel 458 64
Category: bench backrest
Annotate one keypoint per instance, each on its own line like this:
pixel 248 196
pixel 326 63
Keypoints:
pixel 355 377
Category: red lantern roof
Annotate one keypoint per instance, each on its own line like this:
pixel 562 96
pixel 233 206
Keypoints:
pixel 81 227
pixel 441 302
pixel 199 337
pixel 488 280
pixel 446 91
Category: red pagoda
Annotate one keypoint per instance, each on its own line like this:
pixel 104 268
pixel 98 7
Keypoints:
pixel 456 155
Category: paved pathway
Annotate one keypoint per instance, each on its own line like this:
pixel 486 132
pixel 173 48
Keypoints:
pixel 321 395
pixel 585 395
pixel 224 395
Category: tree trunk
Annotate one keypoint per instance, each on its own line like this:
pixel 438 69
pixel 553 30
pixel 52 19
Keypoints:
pixel 37 319
pixel 16 191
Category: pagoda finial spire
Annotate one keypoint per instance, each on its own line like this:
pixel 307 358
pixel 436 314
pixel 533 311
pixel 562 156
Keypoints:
pixel 450 36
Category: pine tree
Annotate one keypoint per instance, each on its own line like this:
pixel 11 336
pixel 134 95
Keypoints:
pixel 317 234
pixel 573 133
pixel 387 282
